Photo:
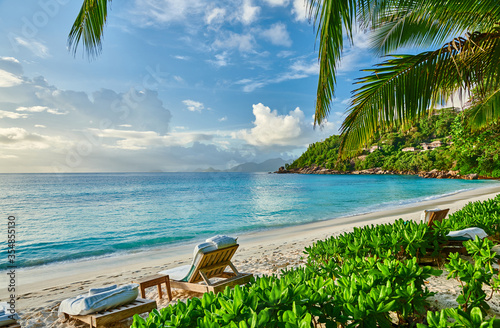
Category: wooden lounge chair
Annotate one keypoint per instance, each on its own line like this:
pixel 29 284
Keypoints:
pixel 101 319
pixel 212 265
pixel 433 216
pixel 12 325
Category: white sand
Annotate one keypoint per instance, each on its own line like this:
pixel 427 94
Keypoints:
pixel 41 289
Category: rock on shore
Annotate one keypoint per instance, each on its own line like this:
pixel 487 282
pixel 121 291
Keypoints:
pixel 435 174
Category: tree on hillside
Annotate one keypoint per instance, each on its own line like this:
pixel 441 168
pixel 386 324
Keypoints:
pixel 401 88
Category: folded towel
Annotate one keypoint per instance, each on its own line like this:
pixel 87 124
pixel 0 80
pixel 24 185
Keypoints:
pixel 222 241
pixel 6 317
pixel 467 234
pixel 204 248
pixel 94 291
pixel 85 304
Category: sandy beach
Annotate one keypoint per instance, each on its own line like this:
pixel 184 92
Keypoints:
pixel 41 289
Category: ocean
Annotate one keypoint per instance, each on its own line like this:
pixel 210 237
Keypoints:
pixel 66 217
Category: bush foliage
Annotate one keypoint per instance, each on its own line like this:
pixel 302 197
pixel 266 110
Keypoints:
pixel 366 278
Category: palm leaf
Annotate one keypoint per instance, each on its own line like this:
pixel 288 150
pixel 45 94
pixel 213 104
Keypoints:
pixel 331 17
pixel 88 27
pixel 405 87
pixel 429 22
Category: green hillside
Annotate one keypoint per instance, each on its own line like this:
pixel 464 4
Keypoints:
pixel 457 148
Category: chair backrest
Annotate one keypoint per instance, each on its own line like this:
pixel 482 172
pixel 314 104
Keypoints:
pixel 436 216
pixel 212 259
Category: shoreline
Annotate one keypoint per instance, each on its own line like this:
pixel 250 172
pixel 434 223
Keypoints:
pixel 40 289
pixel 153 249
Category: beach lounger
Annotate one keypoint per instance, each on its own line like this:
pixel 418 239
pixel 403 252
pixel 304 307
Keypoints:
pixel 209 261
pixel 101 319
pixel 102 306
pixel 431 216
pixel 7 318
pixel 12 325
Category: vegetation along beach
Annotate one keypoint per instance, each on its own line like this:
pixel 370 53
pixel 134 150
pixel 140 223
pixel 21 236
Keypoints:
pixel 250 163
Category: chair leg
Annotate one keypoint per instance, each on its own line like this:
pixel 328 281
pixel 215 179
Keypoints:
pixel 169 290
pixel 159 291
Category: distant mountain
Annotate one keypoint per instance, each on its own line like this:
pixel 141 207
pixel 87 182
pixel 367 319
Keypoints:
pixel 270 165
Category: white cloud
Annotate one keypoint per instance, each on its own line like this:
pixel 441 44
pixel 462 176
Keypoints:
pixel 40 126
pixel 299 10
pixel 273 129
pixel 242 42
pixel 11 59
pixel 37 48
pixel 178 78
pixel 298 70
pixel 311 68
pixel 215 16
pixel 7 156
pixel 39 109
pixel 285 54
pixel 32 109
pixel 193 106
pixel 361 38
pixel 222 119
pixel 8 79
pixel 11 115
pixel 19 138
pixel 277 35
pixel 141 140
pixel 249 12
pixel 181 57
pixel 289 131
pixel 151 12
pixel 220 60
pixel 346 101
pixel 277 3
pixel 250 86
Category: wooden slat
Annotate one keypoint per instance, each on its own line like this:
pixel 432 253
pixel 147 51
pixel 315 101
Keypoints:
pixel 208 259
pixel 138 306
pixel 12 325
pixel 437 216
pixel 212 265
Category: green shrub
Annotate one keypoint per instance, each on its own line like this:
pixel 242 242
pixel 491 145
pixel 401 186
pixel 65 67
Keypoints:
pixel 356 279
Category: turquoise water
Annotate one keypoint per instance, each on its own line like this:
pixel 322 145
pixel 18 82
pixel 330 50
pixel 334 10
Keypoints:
pixel 72 216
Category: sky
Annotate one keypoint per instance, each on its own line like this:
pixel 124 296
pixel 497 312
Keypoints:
pixel 179 86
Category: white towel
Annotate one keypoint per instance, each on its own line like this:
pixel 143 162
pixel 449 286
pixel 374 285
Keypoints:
pixel 93 291
pixel 470 233
pixel 85 304
pixel 222 241
pixel 6 317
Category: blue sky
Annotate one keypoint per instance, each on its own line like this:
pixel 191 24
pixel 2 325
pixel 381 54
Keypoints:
pixel 180 85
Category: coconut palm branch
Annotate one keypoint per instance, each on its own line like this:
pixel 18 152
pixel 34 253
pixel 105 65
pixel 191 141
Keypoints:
pixel 406 87
pixel 428 23
pixel 395 23
pixel 88 27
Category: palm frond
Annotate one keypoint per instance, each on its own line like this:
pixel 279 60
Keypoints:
pixel 485 110
pixel 88 27
pixel 404 23
pixel 405 87
pixel 331 18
